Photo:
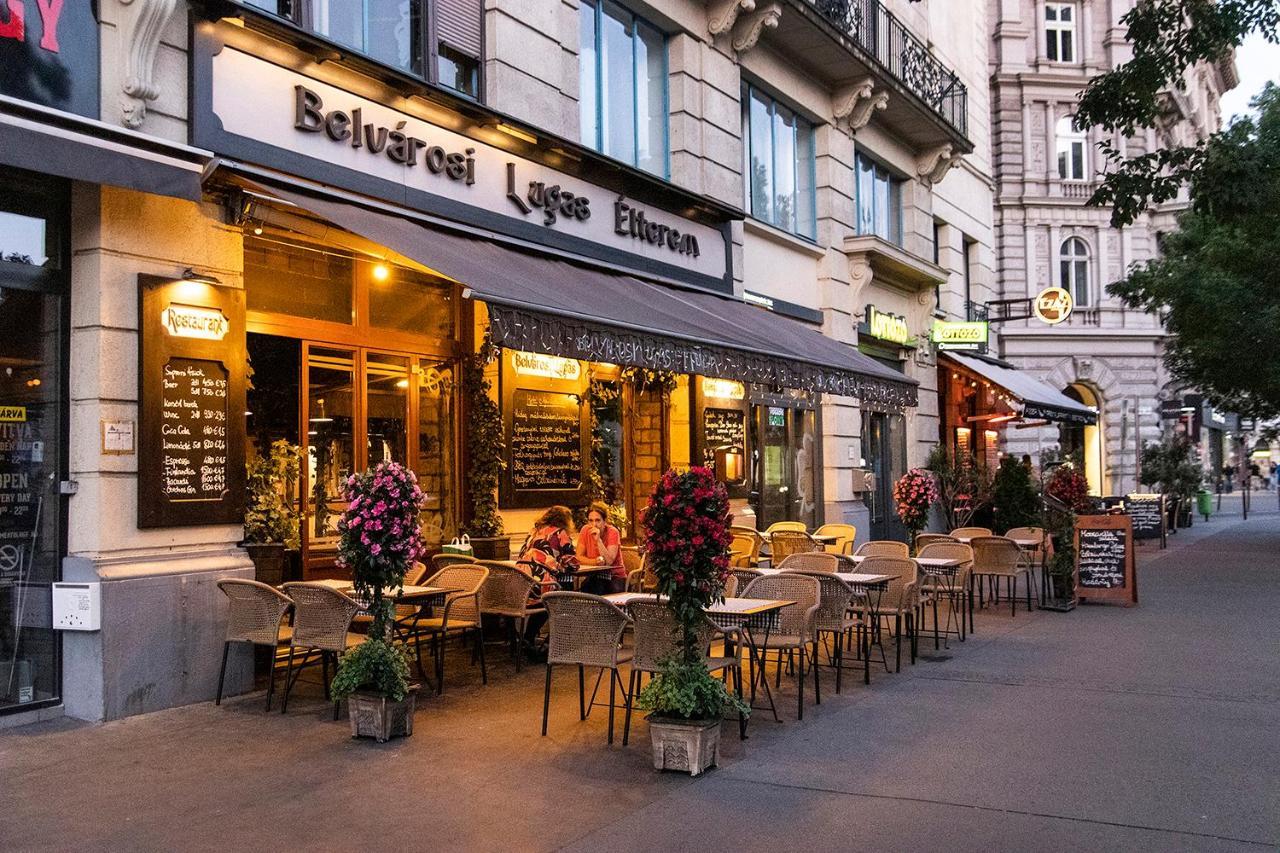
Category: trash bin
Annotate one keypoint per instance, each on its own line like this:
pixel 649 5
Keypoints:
pixel 1204 503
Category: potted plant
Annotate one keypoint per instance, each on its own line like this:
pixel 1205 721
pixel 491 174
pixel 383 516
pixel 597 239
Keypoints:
pixel 270 521
pixel 913 494
pixel 687 545
pixel 378 542
pixel 1066 493
pixel 964 485
pixel 1014 496
pixel 485 463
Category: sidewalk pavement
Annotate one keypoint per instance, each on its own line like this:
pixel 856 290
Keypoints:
pixel 1151 728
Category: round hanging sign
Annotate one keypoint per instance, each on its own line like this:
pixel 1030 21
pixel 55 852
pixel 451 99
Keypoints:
pixel 1052 305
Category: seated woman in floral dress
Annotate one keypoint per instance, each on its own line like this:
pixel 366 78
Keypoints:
pixel 548 552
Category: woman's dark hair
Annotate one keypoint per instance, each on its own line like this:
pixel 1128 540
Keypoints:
pixel 556 516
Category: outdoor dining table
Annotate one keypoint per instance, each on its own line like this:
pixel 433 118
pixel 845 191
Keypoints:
pixel 423 596
pixel 565 579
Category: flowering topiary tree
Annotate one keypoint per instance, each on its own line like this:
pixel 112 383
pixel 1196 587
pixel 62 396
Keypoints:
pixel 1066 494
pixel 913 494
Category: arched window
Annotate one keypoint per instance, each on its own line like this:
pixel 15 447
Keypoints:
pixel 1071 163
pixel 1073 260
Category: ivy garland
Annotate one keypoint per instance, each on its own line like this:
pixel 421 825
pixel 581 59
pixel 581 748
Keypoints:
pixel 651 380
pixel 485 450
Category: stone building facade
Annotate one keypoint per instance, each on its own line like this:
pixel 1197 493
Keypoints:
pixel 1042 55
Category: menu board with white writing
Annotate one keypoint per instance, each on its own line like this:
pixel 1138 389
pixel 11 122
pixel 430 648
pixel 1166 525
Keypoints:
pixel 193 430
pixel 1104 558
pixel 724 428
pixel 546 441
pixel 1147 512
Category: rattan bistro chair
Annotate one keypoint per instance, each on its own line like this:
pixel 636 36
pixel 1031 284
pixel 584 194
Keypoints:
pixel 883 548
pixel 585 631
pixel 901 600
pixel 744 549
pixel 254 614
pixel 811 561
pixel 790 526
pixel 505 594
pixel 795 625
pixel 970 532
pixel 444 561
pixel 757 542
pixel 321 626
pixel 461 614
pixel 1037 557
pixel 656 632
pixel 784 543
pixel 954 589
pixel 833 618
pixel 744 578
pixel 847 533
pixel 923 540
pixel 996 557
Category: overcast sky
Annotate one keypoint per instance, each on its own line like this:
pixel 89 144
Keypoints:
pixel 1257 61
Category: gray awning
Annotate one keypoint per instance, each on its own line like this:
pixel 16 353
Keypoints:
pixel 55 143
pixel 546 305
pixel 1038 399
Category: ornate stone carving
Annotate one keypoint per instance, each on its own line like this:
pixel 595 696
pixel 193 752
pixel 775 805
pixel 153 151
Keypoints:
pixel 933 165
pixel 859 271
pixel 855 104
pixel 749 28
pixel 143 23
pixel 723 14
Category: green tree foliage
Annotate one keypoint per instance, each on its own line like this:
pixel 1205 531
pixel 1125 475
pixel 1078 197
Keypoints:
pixel 1215 285
pixel 1172 467
pixel 485 449
pixel 1015 496
pixel 1168 37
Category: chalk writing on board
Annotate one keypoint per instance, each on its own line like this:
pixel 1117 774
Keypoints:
pixel 1147 513
pixel 193 430
pixel 1102 558
pixel 546 441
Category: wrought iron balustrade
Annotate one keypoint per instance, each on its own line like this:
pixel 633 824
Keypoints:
pixel 902 54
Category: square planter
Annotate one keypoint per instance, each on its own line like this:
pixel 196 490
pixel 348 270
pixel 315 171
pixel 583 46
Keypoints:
pixel 689 746
pixel 380 718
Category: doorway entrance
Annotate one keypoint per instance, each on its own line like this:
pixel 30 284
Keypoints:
pixel 785 480
pixel 884 451
pixel 1085 442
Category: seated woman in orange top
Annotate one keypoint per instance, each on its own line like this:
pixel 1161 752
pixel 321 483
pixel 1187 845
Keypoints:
pixel 600 544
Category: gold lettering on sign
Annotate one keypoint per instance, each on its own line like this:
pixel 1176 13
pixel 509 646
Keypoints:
pixel 191 321
pixel 549 366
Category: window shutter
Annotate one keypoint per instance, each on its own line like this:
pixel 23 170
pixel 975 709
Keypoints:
pixel 458 24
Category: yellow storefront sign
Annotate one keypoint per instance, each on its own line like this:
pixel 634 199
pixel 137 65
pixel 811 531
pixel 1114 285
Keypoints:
pixel 13 414
pixel 962 335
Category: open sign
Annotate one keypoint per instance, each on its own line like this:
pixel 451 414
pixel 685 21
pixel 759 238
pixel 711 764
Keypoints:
pixel 1052 305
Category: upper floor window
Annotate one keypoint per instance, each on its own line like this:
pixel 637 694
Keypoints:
pixel 1073 260
pixel 1060 32
pixel 879 200
pixel 1071 142
pixel 622 80
pixel 778 148
pixel 438 40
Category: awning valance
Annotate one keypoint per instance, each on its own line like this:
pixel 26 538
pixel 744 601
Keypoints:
pixel 543 304
pixel 79 149
pixel 1037 399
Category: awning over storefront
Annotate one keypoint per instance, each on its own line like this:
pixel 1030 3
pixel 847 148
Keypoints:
pixel 56 143
pixel 1038 400
pixel 546 305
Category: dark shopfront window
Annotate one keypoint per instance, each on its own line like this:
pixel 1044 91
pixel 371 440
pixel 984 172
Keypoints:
pixel 33 414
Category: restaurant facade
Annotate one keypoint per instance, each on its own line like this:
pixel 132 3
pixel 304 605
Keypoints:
pixel 261 227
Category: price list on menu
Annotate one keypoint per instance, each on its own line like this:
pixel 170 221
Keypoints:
pixel 546 441
pixel 193 430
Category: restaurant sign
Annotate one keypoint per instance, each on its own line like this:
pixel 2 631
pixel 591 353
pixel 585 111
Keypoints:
pixel 887 327
pixel 547 366
pixel 1052 305
pixel 335 136
pixel 960 335
pixel 192 321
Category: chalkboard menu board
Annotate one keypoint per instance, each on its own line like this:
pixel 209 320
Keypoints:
pixel 724 428
pixel 546 441
pixel 1105 559
pixel 191 384
pixel 1147 513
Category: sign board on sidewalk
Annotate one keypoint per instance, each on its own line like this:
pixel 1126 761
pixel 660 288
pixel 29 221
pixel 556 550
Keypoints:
pixel 1148 515
pixel 1105 559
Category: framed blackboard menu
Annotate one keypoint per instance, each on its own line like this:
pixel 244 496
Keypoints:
pixel 1105 559
pixel 547 434
pixel 721 407
pixel 723 428
pixel 191 399
pixel 1148 515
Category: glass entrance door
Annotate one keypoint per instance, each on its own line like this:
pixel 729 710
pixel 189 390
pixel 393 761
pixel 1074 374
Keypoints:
pixel 786 481
pixel 884 449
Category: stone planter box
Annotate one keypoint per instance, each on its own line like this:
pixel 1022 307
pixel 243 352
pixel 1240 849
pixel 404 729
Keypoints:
pixel 491 548
pixel 269 562
pixel 379 718
pixel 690 746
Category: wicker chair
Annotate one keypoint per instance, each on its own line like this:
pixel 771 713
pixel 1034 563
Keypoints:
pixel 505 594
pixel 790 526
pixel 656 632
pixel 633 563
pixel 744 578
pixel 254 613
pixel 925 539
pixel 847 533
pixel 321 625
pixel 784 543
pixel 731 586
pixel 745 549
pixel 900 600
pixel 795 631
pixel 954 589
pixel 970 532
pixel 996 557
pixel 832 617
pixel 461 615
pixel 884 548
pixel 757 541
pixel 585 631
pixel 811 561
pixel 1037 557
pixel 444 561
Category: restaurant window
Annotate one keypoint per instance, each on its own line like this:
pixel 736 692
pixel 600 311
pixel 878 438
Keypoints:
pixel 622 78
pixel 1071 145
pixel 1060 32
pixel 968 260
pixel 879 200
pixel 784 455
pixel 779 163
pixel 438 40
pixel 1073 261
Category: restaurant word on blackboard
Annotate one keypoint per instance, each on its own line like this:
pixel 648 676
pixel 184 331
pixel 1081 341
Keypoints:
pixel 546 441
pixel 1147 513
pixel 193 430
pixel 722 428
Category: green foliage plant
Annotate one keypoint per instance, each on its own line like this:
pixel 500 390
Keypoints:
pixel 375 666
pixel 1172 467
pixel 269 516
pixel 1015 496
pixel 964 485
pixel 485 450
